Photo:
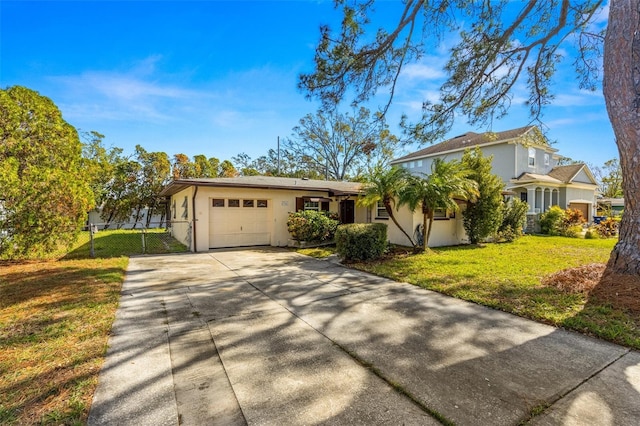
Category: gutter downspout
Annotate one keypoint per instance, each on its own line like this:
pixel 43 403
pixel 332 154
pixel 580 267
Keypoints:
pixel 193 209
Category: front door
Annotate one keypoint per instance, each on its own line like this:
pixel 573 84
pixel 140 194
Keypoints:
pixel 347 211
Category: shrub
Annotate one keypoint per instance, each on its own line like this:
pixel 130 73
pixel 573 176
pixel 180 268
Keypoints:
pixel 311 225
pixel 514 217
pixel 607 228
pixel 551 221
pixel 361 241
pixel 573 217
pixel 591 234
pixel 572 231
pixel 567 223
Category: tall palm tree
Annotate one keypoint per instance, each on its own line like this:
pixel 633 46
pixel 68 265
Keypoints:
pixel 437 190
pixel 385 185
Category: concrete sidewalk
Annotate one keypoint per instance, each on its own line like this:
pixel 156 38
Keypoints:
pixel 267 336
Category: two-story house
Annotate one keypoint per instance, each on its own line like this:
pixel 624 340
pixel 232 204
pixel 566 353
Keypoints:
pixel 527 164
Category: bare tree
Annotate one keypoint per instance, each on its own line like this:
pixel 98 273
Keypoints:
pixel 342 145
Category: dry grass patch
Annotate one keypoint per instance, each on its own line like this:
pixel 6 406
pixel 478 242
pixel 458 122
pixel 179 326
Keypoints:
pixel 55 319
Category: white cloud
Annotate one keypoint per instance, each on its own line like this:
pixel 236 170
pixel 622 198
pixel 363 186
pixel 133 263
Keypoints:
pixel 577 98
pixel 423 71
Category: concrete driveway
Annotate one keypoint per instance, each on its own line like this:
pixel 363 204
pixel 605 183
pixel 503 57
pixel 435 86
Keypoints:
pixel 268 337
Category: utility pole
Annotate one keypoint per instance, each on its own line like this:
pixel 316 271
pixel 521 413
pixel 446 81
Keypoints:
pixel 278 155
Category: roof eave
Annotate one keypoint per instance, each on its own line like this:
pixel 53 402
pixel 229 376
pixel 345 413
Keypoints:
pixel 181 184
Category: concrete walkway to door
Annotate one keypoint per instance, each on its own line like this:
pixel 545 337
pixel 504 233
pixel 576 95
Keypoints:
pixel 268 337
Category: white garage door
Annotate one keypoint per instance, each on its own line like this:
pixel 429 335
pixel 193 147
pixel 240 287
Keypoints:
pixel 239 222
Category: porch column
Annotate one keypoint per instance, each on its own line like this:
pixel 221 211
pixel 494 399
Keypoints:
pixel 531 198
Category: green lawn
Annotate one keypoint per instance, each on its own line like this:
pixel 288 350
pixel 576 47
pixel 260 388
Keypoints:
pixel 508 276
pixel 125 242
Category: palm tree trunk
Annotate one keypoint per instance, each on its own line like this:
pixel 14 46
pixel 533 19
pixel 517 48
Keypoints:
pixel 389 210
pixel 427 232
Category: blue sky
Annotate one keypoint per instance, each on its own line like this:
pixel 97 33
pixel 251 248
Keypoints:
pixel 219 77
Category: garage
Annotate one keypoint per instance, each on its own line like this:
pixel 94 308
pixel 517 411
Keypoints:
pixel 237 222
pixel 580 206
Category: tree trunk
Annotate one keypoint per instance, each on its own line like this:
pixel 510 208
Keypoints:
pixel 621 87
pixel 389 210
pixel 427 214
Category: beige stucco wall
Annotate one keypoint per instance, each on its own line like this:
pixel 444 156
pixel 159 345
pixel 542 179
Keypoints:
pixel 281 203
pixel 444 232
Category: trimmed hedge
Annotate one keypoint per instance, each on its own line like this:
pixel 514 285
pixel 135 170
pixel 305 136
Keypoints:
pixel 361 241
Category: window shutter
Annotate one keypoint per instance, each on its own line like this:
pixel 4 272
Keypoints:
pixel 324 206
pixel 299 204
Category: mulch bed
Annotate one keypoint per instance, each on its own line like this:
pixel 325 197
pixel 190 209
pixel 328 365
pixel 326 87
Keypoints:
pixel 620 291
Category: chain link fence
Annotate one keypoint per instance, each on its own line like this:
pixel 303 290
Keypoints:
pixel 126 239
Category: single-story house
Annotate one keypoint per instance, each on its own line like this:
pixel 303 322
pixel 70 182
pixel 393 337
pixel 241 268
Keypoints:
pixel 613 206
pixel 252 210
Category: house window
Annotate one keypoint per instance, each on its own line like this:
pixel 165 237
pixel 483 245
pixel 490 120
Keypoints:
pixel 262 204
pixel 218 202
pixel 234 203
pixel 247 203
pixel 419 163
pixel 440 214
pixel 523 196
pixel 311 205
pixel 532 157
pixel 546 159
pixel 381 211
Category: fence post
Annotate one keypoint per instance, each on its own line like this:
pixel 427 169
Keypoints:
pixel 144 248
pixel 91 250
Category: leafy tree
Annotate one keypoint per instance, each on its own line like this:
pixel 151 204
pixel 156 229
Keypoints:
pixel 437 190
pixel 206 167
pixel 342 145
pixel 44 190
pixel 384 185
pixel 284 165
pixel 500 43
pixel 155 171
pixel 514 218
pixel 610 179
pixel 121 192
pixel 483 215
pixel 183 167
pixel 227 169
pixel 99 163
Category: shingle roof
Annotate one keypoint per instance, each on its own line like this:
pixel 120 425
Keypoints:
pixel 467 140
pixel 531 177
pixel 266 182
pixel 566 173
